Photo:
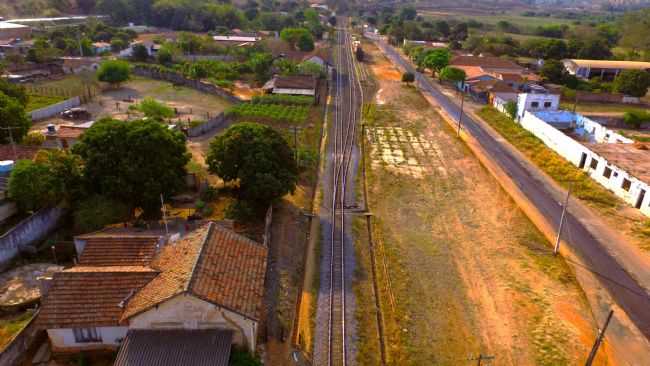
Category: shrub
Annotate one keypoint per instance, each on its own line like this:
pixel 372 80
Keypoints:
pixel 408 77
pixel 636 118
pixel 511 108
pixel 97 211
pixel 275 112
pixel 34 139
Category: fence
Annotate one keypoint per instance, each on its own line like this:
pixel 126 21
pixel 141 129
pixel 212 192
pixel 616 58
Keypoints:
pixel 55 109
pixel 27 232
pixel 588 97
pixel 86 92
pixel 219 121
pixel 16 351
pixel 179 79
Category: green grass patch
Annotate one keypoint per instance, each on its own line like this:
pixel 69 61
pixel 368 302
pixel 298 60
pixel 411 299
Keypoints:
pixel 274 112
pixel 283 99
pixel 561 170
pixel 599 107
pixel 41 101
pixel 9 327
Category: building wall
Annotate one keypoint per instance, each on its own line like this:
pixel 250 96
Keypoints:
pixel 525 102
pixel 21 32
pixel 294 91
pixel 574 152
pixel 62 339
pixel 499 101
pixel 189 312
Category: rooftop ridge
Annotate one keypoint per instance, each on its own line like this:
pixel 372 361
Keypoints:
pixel 208 234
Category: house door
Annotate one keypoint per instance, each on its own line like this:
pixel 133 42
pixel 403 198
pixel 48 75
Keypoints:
pixel 583 160
pixel 639 200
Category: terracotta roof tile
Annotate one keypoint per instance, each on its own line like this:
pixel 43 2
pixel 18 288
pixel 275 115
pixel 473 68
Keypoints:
pixel 119 250
pixel 486 62
pixel 231 272
pixel 212 263
pixel 90 296
pixel 22 152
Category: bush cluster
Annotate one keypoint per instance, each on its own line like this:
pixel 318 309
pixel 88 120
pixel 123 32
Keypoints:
pixel 275 112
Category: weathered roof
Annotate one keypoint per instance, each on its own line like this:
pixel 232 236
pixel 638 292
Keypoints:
pixel 90 296
pixel 119 250
pixel 293 82
pixel 70 132
pixel 175 347
pixel 629 157
pixel 212 263
pixel 22 152
pixel 486 62
pixel 609 64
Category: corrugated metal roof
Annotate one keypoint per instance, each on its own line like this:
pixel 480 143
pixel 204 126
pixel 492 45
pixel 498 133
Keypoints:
pixel 608 64
pixel 175 347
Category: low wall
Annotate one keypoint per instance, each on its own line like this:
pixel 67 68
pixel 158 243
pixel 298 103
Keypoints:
pixel 54 109
pixel 179 79
pixel 589 97
pixel 15 352
pixel 215 122
pixel 27 232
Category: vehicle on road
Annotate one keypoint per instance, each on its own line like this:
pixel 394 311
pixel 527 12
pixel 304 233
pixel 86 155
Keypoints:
pixel 75 113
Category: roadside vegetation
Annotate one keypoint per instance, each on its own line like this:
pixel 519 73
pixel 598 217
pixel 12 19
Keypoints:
pixel 11 325
pixel 275 112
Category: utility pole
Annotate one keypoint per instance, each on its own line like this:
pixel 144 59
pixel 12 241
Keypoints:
pixel 562 218
pixel 11 140
pixel 599 340
pixel 295 143
pixel 460 116
pixel 164 212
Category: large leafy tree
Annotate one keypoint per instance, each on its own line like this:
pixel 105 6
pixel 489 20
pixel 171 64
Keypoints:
pixel 258 158
pixel 114 72
pixel 133 162
pixel 634 83
pixel 452 74
pixel 437 59
pixel 553 71
pixel 298 37
pixel 53 176
pixel 13 119
pixel 15 91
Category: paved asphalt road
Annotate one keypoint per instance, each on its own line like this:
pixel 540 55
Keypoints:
pixel 627 293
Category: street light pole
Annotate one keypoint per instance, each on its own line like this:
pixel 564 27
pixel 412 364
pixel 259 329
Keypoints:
pixel 460 116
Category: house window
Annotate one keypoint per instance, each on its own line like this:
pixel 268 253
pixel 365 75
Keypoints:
pixel 608 172
pixel 594 163
pixel 626 184
pixel 86 335
pixel 547 104
pixel 534 104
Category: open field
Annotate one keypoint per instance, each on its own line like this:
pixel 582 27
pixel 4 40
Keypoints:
pixel 41 101
pixel 461 270
pixel 492 19
pixel 602 107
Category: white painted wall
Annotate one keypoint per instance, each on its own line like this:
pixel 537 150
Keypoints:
pixel 62 339
pixel 499 102
pixel 525 102
pixel 189 312
pixel 294 91
pixel 573 151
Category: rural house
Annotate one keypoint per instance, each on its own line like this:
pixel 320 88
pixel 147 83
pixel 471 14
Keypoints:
pixel 142 290
pixel 292 85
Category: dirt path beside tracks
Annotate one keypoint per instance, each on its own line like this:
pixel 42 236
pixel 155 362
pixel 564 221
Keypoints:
pixel 468 272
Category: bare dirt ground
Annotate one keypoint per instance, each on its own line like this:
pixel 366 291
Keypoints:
pixel 461 269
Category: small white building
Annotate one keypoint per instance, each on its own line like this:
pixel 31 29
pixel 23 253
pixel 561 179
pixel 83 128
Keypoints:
pixel 612 160
pixel 536 102
pixel 292 85
pixel 125 283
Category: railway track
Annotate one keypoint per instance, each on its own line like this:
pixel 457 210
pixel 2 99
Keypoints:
pixel 346 114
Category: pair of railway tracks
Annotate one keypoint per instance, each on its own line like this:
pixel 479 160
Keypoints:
pixel 348 99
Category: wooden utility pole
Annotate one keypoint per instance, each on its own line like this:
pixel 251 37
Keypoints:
pixel 556 249
pixel 11 140
pixel 599 340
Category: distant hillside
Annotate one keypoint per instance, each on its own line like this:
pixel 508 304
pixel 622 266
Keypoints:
pixel 29 8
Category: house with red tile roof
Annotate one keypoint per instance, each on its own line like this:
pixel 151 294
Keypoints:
pixel 127 285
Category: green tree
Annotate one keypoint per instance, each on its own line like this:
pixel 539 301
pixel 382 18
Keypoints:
pixel 553 71
pixel 298 37
pixel 261 64
pixel 14 118
pixel 452 74
pixel 53 176
pixel 140 53
pixel 114 72
pixel 15 91
pixel 634 83
pixel 258 158
pixel 437 59
pixel 154 109
pixel 165 55
pixel 511 108
pixel 408 77
pixel 133 162
pixel 636 118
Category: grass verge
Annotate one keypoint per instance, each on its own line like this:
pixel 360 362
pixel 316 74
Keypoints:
pixel 41 101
